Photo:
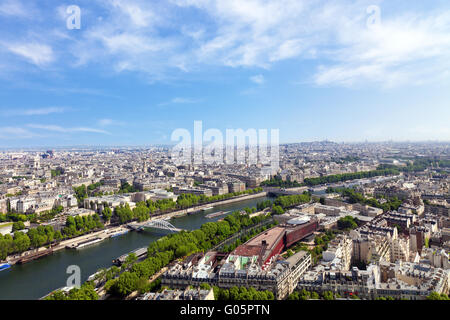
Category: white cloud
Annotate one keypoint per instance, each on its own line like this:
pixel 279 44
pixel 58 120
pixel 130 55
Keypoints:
pixel 288 49
pixel 185 100
pixel 13 8
pixel 36 53
pixel 93 130
pixel 35 112
pixel 409 48
pixel 105 122
pixel 180 100
pixel 60 129
pixel 139 13
pixel 109 122
pixel 16 133
pixel 259 79
pixel 164 40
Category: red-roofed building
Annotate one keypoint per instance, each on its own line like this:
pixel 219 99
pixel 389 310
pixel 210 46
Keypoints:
pixel 273 241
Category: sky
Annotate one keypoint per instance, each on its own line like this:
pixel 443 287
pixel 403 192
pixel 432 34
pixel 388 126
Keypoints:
pixel 131 72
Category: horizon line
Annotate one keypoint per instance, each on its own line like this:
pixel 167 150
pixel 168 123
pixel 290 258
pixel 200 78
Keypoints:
pixel 91 146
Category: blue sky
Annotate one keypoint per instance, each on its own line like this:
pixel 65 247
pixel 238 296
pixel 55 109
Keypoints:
pixel 137 70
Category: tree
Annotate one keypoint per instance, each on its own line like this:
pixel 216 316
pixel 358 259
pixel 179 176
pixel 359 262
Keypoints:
pixel 124 213
pixel 277 210
pixel 289 201
pixel 347 223
pixel 85 292
pixel 427 242
pixel 328 295
pixel 436 296
pixel 318 241
pixel 243 294
pixel 216 291
pixel 141 212
pixel 107 214
pixel 314 295
pixel 142 285
pixel 444 296
pixel 21 242
pixel 234 293
pixel 223 228
pixel 305 295
pixel 58 295
pixel 109 285
pixel 19 225
pixel 131 258
pixel 125 284
pixel 80 193
pixel 294 296
pixel 205 286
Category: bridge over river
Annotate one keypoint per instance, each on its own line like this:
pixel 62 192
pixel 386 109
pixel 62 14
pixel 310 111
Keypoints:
pixel 284 191
pixel 155 224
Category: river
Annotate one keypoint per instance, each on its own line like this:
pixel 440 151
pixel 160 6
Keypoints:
pixel 34 280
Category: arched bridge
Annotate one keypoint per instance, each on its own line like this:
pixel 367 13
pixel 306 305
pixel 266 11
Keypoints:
pixel 282 191
pixel 157 224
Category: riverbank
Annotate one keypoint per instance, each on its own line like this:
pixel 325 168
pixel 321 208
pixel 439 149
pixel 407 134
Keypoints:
pixel 102 234
pixel 183 212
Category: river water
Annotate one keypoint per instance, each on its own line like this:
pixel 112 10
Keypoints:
pixel 35 279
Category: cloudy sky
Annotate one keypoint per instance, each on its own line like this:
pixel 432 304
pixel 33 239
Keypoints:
pixel 137 70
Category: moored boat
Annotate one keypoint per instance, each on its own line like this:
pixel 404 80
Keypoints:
pixel 4 266
pixel 85 243
pixel 140 254
pixel 216 214
pixel 120 233
pixel 34 256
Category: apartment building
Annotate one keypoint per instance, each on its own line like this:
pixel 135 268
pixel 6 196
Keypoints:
pixel 400 249
pixel 339 253
pixel 401 280
pixel 366 210
pixel 188 294
pixel 280 278
pixel 373 247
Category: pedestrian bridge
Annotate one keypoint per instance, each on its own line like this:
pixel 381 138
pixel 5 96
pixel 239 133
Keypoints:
pixel 282 191
pixel 156 224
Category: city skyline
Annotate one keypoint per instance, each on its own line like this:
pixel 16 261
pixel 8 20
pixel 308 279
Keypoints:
pixel 42 148
pixel 134 72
